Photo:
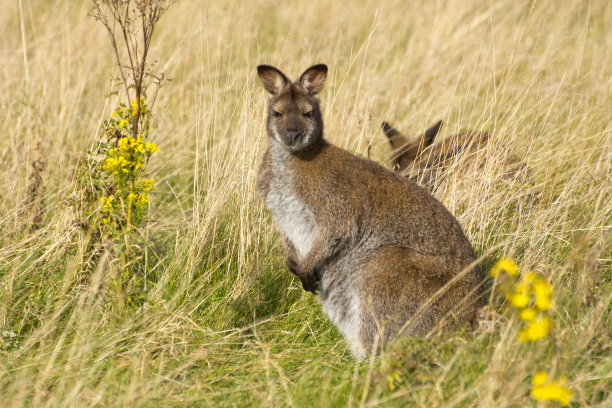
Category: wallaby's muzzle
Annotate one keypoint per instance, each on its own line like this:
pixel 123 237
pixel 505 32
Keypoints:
pixel 291 137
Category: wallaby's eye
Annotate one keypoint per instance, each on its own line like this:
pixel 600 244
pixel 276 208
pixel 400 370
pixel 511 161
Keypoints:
pixel 276 114
pixel 308 114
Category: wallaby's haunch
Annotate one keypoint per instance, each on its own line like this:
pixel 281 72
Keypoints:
pixel 386 256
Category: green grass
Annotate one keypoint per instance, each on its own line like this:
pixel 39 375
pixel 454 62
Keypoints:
pixel 225 323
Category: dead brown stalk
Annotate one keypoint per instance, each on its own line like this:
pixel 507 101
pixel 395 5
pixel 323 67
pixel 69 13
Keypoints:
pixel 130 25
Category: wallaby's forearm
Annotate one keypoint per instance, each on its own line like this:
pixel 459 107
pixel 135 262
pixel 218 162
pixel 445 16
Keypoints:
pixel 307 278
pixel 327 245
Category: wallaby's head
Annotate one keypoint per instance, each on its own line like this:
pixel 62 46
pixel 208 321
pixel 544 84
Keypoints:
pixel 294 115
pixel 405 152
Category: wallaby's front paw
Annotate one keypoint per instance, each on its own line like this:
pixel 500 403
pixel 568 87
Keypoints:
pixel 310 283
pixel 309 280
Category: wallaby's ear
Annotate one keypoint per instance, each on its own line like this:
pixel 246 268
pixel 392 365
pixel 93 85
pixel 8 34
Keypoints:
pixel 396 139
pixel 430 134
pixel 389 130
pixel 273 80
pixel 313 79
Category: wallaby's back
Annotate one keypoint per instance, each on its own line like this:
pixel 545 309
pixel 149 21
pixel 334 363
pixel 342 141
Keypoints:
pixel 421 159
pixel 398 247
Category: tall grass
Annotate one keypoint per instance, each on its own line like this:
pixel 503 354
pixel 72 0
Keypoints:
pixel 224 322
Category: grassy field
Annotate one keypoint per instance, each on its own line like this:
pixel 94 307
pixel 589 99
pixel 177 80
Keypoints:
pixel 224 322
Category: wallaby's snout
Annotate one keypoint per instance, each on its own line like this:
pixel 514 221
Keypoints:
pixel 291 136
pixel 294 130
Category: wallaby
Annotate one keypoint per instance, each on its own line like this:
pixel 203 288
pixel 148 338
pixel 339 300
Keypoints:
pixel 386 257
pixel 426 162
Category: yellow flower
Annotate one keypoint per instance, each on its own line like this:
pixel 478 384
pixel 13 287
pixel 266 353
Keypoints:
pixel 543 292
pixel 529 314
pixel 135 106
pixel 536 329
pixel 552 391
pixel 108 203
pixel 151 147
pixel 519 300
pixel 504 265
pixel 520 296
pixel 540 378
pixel 543 302
pixel 147 185
pixel 542 287
pixel 108 164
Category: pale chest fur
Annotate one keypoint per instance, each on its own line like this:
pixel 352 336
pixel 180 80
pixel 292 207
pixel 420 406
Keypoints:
pixel 291 215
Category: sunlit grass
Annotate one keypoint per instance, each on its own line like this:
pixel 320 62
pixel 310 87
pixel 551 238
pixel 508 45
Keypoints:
pixel 225 323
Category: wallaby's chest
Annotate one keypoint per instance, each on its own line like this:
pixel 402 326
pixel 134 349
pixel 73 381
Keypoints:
pixel 292 216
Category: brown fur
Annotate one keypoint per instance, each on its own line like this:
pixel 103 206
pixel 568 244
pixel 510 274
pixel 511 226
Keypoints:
pixel 427 162
pixel 375 245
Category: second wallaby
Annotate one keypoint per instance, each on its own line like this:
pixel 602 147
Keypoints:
pixel 422 160
pixel 385 256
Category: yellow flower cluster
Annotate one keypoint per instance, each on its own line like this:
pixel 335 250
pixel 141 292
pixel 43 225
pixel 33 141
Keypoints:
pixel 108 203
pixel 139 198
pixel 107 209
pixel 536 329
pixel 531 295
pixel 555 390
pixel 143 187
pixel 504 265
pixel 124 166
pixel 147 185
pixel 129 155
pixel 124 111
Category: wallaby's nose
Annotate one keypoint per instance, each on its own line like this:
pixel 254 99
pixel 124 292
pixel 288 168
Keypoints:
pixel 291 136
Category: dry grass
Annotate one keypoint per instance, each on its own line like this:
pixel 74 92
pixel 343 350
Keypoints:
pixel 225 323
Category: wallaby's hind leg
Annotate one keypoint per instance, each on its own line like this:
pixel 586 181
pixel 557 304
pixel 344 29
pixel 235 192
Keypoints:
pixel 394 289
pixel 398 292
pixel 391 293
pixel 343 306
